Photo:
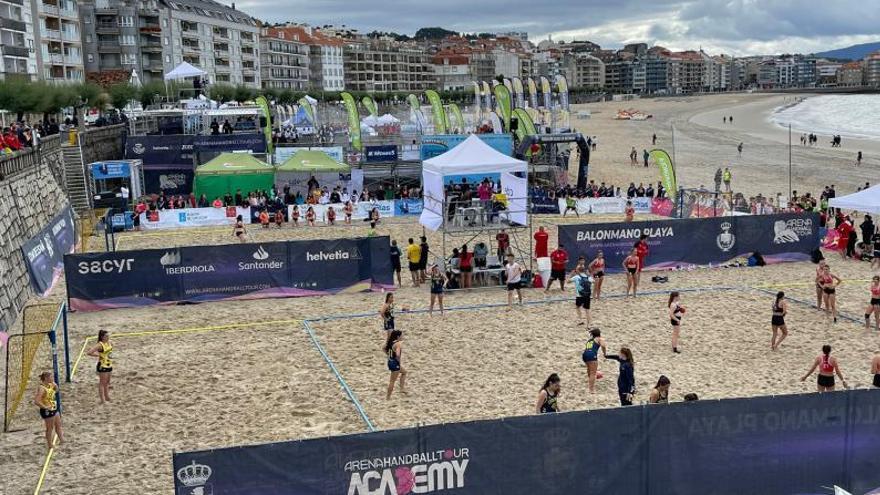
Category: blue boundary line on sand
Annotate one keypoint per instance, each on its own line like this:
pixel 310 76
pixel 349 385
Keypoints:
pixel 352 397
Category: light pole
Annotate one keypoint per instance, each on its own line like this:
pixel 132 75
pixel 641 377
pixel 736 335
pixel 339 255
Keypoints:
pixel 789 162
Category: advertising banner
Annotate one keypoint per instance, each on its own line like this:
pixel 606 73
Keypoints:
pixel 502 98
pixel 518 93
pixel 110 170
pixel 562 88
pixel 678 448
pixel 487 95
pixel 282 153
pixel 354 121
pixel 162 151
pixel 410 206
pixel 458 118
pixel 191 217
pixel 306 105
pixel 547 92
pixel 370 105
pixel 545 205
pixel 252 142
pixel 437 145
pixel 477 102
pixel 43 253
pixel 410 152
pixel 667 172
pixel 298 182
pixel 437 111
pixel 97 281
pixel 596 205
pixel 171 181
pixel 384 153
pixel 533 93
pixel 267 114
pixel 675 244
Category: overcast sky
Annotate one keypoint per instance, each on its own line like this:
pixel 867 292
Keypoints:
pixel 738 27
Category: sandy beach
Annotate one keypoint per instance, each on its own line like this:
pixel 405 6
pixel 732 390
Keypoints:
pixel 266 382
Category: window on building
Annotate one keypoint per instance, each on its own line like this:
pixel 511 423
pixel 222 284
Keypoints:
pixel 165 41
pixel 88 38
pixel 129 59
pixel 90 58
pixel 167 59
pixel 126 21
pixel 87 20
pixel 165 23
pixel 127 40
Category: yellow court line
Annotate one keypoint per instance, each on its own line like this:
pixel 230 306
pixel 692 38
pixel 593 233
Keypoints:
pixel 144 334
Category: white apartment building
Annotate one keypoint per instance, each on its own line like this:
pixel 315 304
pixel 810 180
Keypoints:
pixel 17 40
pixel 57 40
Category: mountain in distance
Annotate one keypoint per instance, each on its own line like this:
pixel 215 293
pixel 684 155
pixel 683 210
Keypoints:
pixel 855 52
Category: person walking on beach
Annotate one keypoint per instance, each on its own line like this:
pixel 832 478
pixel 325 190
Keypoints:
pixel 631 265
pixel 47 400
pixel 395 261
pixel 676 313
pixel 777 321
pixel 660 392
pixel 829 283
pixel 739 149
pixel 583 288
pixel 654 139
pixel 718 180
pixel 859 159
pixel 645 157
pixel 828 367
pixel 726 177
pixel 874 305
pixel 386 313
pixel 633 157
pixel 730 119
pixel 414 255
pixel 724 119
pixel 820 268
pixel 104 367
pixel 438 281
pixel 597 271
pixel 590 357
pixel 558 260
pixel 626 378
pixel 513 277
pixel 394 352
pixel 238 230
pixel 549 395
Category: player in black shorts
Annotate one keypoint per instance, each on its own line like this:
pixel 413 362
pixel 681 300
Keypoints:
pixel 395 261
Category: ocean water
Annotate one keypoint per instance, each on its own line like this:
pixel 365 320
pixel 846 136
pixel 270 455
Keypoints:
pixel 855 116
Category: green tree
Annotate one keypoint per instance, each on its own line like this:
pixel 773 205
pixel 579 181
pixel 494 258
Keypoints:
pixel 149 92
pixel 122 94
pixel 244 93
pixel 222 92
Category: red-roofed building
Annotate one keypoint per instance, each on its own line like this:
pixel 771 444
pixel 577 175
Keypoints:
pixel 452 70
pixel 284 58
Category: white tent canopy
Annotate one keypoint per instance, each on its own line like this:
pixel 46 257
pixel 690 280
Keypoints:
pixel 473 156
pixel 867 201
pixel 183 71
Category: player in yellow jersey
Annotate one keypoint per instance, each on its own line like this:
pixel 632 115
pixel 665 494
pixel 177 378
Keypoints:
pixel 46 400
pixel 102 351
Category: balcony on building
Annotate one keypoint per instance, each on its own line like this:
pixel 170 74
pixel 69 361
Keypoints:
pixel 247 38
pixel 221 33
pixel 109 61
pixel 190 47
pixel 12 25
pixel 108 44
pixel 14 50
pixel 153 65
pixel 222 65
pixel 247 52
pixel 189 29
pixel 106 26
pixel 49 8
pixel 221 49
pixel 149 24
pixel 152 44
pixel 196 61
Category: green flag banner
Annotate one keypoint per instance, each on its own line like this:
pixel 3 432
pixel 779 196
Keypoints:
pixel 370 105
pixel 437 109
pixel 459 118
pixel 667 172
pixel 502 100
pixel 309 109
pixel 413 101
pixel 354 121
pixel 526 126
pixel 264 106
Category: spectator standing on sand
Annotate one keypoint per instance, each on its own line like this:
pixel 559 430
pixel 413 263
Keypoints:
pixel 503 243
pixel 541 238
pixel 513 276
pixel 626 379
pixel 395 261
pixel 654 139
pixel 558 260
pixel 727 177
pixel 423 259
pixel 645 157
pixel 414 255
pixel 859 158
pixel 718 180
pixel 739 149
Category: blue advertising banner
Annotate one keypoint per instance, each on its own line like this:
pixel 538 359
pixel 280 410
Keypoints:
pixel 384 153
pixel 699 241
pixel 98 281
pixel 441 143
pixel 775 444
pixel 111 170
pixel 253 142
pixel 44 252
pixel 171 181
pixel 545 205
pixel 162 151
pixel 407 207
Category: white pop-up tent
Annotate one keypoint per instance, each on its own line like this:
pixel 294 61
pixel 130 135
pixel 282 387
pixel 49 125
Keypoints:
pixel 473 156
pixel 867 201
pixel 184 71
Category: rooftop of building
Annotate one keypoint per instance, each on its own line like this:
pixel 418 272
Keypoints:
pixel 210 8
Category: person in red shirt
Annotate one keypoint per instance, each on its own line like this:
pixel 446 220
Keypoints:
pixel 466 266
pixel 503 243
pixel 642 251
pixel 629 211
pixel 558 260
pixel 541 238
pixel 843 230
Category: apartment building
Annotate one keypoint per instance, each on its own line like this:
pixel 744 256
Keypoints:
pixel 871 67
pixel 452 71
pixel 16 40
pixel 583 70
pixel 57 40
pixel 850 74
pixel 382 65
pixel 326 56
pixel 284 58
pixel 220 40
pixel 121 36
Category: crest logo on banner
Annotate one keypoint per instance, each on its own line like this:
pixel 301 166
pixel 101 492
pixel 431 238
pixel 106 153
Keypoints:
pixel 138 149
pixel 725 239
pixel 195 479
